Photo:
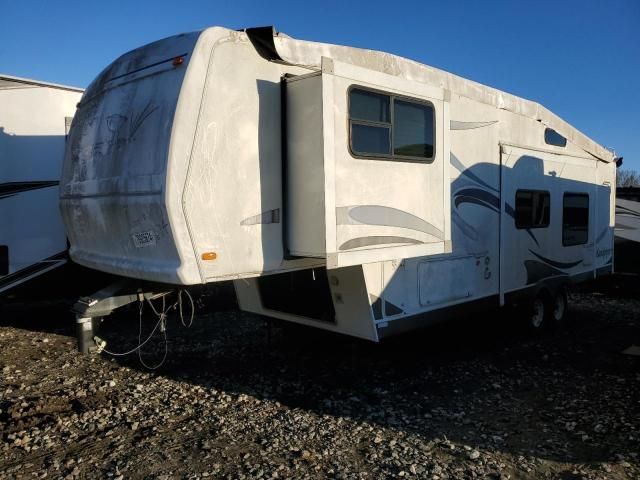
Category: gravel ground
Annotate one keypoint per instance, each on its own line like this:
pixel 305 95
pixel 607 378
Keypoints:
pixel 240 397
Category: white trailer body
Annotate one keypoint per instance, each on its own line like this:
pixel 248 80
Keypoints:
pixel 34 121
pixel 348 189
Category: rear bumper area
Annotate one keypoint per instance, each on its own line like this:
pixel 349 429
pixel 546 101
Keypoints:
pixel 128 235
pixel 162 272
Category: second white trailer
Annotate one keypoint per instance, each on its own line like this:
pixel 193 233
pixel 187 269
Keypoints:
pixel 35 118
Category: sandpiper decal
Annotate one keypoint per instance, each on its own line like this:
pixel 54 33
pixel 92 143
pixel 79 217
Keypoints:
pixel 377 240
pixel 384 216
pixel 270 216
pixel 459 125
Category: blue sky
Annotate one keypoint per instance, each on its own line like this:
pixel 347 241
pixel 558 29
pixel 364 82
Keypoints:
pixel 581 59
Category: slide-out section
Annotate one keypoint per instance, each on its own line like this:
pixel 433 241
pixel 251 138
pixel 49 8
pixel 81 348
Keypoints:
pixel 367 165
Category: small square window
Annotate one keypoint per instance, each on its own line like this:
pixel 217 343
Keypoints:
pixel 369 106
pixel 551 137
pixel 368 139
pixel 575 219
pixel 412 129
pixel 533 209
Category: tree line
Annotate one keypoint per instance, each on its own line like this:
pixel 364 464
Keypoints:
pixel 627 178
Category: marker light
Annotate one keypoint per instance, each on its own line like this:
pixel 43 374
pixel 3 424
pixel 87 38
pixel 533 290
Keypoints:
pixel 209 256
pixel 178 61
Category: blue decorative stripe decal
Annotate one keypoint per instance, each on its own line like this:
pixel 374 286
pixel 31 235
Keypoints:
pixel 57 259
pixel 555 263
pixel 478 197
pixel 532 236
pixel 467 230
pixel 602 234
pixel 537 271
pixel 10 189
pixel 467 173
pixel 508 209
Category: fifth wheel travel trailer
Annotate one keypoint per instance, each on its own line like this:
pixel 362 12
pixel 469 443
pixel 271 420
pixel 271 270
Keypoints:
pixel 34 121
pixel 347 189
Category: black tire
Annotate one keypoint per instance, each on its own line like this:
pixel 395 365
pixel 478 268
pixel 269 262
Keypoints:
pixel 559 307
pixel 536 313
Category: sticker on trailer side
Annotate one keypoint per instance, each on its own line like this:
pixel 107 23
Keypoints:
pixel 144 239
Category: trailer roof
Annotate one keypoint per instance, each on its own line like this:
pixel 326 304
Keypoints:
pixel 8 82
pixel 309 54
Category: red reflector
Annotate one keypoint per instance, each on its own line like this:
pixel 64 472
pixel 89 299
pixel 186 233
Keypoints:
pixel 178 61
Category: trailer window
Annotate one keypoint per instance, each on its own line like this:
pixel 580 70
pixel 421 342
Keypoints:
pixel 370 139
pixel 412 129
pixel 551 137
pixel 533 209
pixel 370 114
pixel 575 219
pixel 370 106
pixel 390 127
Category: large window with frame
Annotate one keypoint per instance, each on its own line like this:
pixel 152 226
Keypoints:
pixel 533 209
pixel 575 219
pixel 391 127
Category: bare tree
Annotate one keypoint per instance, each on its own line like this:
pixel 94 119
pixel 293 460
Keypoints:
pixel 627 178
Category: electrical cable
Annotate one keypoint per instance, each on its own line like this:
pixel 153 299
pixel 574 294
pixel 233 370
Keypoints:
pixel 162 318
pixel 163 328
pixel 140 345
pixel 193 308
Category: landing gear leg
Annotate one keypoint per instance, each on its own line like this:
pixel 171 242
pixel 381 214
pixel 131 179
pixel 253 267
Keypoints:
pixel 84 334
pixel 90 310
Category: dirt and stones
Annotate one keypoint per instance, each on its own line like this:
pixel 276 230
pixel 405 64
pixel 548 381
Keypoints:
pixel 241 398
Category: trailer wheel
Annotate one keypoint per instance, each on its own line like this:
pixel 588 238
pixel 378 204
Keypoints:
pixel 537 313
pixel 560 306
